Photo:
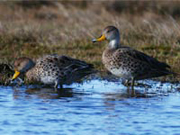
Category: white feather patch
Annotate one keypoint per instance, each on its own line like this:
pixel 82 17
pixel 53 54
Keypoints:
pixel 48 80
pixel 120 72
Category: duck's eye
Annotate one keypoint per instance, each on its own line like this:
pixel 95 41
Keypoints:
pixel 109 30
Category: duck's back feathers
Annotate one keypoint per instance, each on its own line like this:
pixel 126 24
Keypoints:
pixel 140 56
pixel 75 64
pixel 136 63
pixel 126 62
pixel 68 69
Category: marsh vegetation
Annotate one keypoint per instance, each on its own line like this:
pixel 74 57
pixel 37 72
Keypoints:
pixel 33 29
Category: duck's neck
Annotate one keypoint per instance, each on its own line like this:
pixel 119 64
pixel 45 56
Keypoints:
pixel 31 75
pixel 30 68
pixel 114 44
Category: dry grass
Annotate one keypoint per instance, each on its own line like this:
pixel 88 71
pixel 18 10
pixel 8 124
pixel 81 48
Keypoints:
pixel 59 27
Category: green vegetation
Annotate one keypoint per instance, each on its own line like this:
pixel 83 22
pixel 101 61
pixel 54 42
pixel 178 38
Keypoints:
pixel 33 29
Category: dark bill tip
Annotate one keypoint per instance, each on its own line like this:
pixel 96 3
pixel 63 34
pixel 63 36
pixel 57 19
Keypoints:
pixel 94 40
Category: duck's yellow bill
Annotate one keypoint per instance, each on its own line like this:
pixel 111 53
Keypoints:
pixel 16 74
pixel 102 38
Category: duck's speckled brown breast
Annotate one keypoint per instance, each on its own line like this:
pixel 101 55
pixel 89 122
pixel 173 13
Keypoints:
pixel 118 63
pixel 32 75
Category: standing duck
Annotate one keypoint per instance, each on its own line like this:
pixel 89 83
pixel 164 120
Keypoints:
pixel 52 69
pixel 127 62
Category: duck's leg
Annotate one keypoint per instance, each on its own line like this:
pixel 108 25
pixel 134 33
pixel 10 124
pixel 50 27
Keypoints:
pixel 56 86
pixel 132 86
pixel 127 84
pixel 61 86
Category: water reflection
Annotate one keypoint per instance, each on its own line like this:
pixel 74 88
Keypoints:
pixel 43 93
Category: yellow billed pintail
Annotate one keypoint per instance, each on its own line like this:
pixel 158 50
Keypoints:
pixel 128 63
pixel 52 69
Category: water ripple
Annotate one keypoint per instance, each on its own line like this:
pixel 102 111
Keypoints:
pixel 93 107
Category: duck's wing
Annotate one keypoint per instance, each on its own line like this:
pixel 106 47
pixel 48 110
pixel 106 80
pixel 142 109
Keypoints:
pixel 144 58
pixel 150 67
pixel 73 64
pixel 74 69
pixel 66 63
pixel 69 69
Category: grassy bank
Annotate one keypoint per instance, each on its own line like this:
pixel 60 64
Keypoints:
pixel 35 29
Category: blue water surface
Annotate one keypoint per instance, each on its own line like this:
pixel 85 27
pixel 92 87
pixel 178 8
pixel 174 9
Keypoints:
pixel 95 107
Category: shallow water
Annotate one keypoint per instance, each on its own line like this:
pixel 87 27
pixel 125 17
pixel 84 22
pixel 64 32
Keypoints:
pixel 92 108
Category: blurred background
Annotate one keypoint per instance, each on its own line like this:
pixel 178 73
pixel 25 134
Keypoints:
pixel 35 28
